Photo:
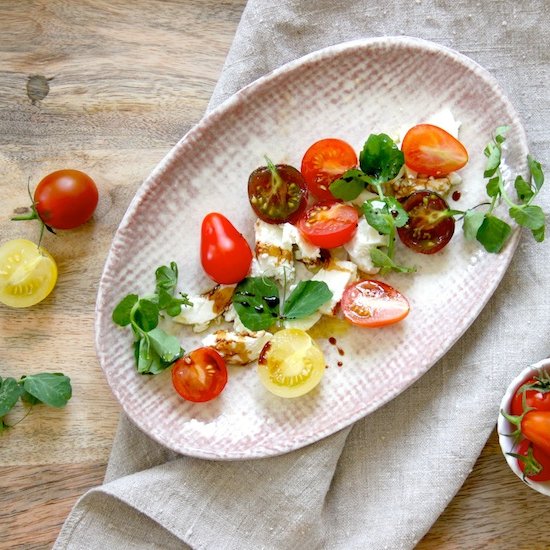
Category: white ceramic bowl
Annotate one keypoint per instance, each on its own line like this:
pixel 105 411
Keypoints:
pixel 504 428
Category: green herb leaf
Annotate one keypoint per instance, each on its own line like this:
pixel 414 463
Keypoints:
pixel 385 263
pixel 500 134
pixel 493 154
pixel 146 316
pixel 530 216
pixel 166 345
pixel 471 224
pixel 493 233
pixel 378 216
pixel 10 391
pixel 493 186
pixel 349 185
pixel 538 234
pixel 380 158
pixel 53 389
pixel 399 214
pixel 523 189
pixel 167 277
pixel 306 298
pixel 122 312
pixel 536 171
pixel 256 301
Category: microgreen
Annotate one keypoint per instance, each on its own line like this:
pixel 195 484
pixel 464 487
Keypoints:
pixel 154 349
pixel 491 231
pixel 380 161
pixel 258 305
pixel 53 389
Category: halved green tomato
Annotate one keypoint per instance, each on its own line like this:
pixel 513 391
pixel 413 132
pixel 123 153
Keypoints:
pixel 291 364
pixel 27 273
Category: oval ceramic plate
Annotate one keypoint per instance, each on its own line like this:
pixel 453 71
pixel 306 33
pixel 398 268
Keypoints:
pixel 346 91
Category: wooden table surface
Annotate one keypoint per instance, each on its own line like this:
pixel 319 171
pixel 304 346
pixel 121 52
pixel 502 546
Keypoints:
pixel 116 84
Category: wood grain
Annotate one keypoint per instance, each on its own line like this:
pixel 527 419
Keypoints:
pixel 109 87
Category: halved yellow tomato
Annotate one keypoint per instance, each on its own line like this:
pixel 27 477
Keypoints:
pixel 291 364
pixel 27 273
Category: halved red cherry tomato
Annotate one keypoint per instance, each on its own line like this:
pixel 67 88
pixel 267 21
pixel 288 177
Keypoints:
pixel 277 194
pixel 537 395
pixel 536 464
pixel 325 161
pixel 65 199
pixel 225 254
pixel 432 151
pixel 373 304
pixel 329 224
pixel 429 227
pixel 200 376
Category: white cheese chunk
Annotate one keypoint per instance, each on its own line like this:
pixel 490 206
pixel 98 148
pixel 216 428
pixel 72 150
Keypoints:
pixel 446 120
pixel 238 348
pixel 274 257
pixel 365 239
pixel 337 275
pixel 308 253
pixel 365 195
pixel 231 317
pixel 206 307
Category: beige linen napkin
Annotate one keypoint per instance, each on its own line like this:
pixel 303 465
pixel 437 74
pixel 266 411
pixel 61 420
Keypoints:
pixel 384 482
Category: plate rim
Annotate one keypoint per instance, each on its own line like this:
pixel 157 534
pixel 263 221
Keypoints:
pixel 210 118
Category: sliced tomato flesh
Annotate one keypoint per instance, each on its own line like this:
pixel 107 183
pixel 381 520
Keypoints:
pixel 372 303
pixel 329 224
pixel 432 151
pixel 325 161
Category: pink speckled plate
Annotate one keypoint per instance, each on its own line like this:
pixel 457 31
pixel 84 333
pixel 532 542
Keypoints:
pixel 347 91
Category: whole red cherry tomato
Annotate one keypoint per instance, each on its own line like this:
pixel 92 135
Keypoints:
pixel 65 199
pixel 537 395
pixel 200 376
pixel 532 461
pixel 225 254
pixel 535 426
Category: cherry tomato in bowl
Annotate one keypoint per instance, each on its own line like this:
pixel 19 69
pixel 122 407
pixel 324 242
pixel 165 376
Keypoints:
pixel 432 151
pixel 27 273
pixel 534 393
pixel 278 193
pixel 430 226
pixel 329 224
pixel 535 427
pixel 65 199
pixel 371 303
pixel 325 161
pixel 533 463
pixel 225 254
pixel 200 376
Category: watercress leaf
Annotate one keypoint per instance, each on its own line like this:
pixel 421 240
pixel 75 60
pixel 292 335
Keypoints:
pixel 378 216
pixel 166 345
pixel 146 316
pixel 500 134
pixel 471 224
pixel 122 312
pixel 536 171
pixel 164 298
pixel 256 301
pixel 380 158
pixel 146 356
pixel 52 388
pixel 493 187
pixel 10 391
pixel 349 185
pixel 523 189
pixel 538 234
pixel 167 277
pixel 29 399
pixel 400 216
pixel 530 216
pixel 493 233
pixel 306 298
pixel 493 154
pixel 385 263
